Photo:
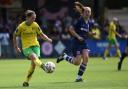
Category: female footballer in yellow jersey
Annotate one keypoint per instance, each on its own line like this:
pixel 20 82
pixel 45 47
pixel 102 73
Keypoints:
pixel 112 38
pixel 28 31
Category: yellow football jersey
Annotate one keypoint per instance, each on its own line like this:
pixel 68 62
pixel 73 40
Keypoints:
pixel 111 33
pixel 28 34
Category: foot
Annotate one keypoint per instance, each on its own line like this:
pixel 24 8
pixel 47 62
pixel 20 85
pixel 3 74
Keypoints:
pixel 119 66
pixel 104 58
pixel 25 84
pixel 60 58
pixel 79 80
pixel 43 66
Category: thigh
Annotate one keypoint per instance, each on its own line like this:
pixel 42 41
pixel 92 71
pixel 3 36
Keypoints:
pixel 78 48
pixel 27 52
pixel 110 43
pixel 36 50
pixel 75 48
pixel 113 42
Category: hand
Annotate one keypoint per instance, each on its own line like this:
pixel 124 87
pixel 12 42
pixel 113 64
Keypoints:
pixel 18 50
pixel 120 36
pixel 124 36
pixel 92 33
pixel 80 38
pixel 50 40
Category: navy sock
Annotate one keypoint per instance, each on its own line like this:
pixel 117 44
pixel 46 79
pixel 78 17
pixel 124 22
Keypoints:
pixel 82 69
pixel 69 59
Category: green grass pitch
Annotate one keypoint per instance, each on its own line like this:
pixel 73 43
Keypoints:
pixel 99 75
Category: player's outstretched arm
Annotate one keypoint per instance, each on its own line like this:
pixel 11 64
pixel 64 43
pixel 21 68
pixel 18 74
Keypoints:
pixel 43 36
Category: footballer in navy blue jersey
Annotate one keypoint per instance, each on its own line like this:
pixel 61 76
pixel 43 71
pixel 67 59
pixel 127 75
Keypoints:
pixel 82 28
pixel 123 55
pixel 80 31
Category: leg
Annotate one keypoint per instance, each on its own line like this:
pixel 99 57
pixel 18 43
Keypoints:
pixel 29 75
pixel 76 53
pixel 106 51
pixel 33 53
pixel 73 60
pixel 122 58
pixel 36 60
pixel 82 68
pixel 33 56
pixel 117 49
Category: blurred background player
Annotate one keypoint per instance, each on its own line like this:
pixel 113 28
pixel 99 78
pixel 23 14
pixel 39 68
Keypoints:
pixel 123 54
pixel 112 41
pixel 80 32
pixel 28 31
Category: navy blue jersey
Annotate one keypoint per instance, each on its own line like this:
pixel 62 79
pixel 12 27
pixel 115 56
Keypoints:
pixel 82 27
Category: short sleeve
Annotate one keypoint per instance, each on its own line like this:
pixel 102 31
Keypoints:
pixel 76 25
pixel 38 30
pixel 18 31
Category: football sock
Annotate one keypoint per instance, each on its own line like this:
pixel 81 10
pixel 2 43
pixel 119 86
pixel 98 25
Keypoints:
pixel 68 58
pixel 106 52
pixel 29 75
pixel 38 62
pixel 123 56
pixel 118 52
pixel 82 68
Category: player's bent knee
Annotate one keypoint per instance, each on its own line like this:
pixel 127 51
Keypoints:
pixel 77 63
pixel 32 56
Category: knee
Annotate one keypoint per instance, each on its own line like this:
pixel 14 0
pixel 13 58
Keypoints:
pixel 77 63
pixel 32 56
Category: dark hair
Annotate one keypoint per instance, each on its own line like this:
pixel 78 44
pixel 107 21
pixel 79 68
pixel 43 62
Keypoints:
pixel 80 7
pixel 29 13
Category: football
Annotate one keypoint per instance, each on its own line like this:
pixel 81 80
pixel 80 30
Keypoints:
pixel 49 67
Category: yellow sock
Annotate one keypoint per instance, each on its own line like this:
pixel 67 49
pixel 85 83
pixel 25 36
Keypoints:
pixel 37 62
pixel 118 53
pixel 29 75
pixel 106 52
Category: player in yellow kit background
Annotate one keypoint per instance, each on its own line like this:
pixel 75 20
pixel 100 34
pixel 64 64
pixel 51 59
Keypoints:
pixel 112 41
pixel 28 31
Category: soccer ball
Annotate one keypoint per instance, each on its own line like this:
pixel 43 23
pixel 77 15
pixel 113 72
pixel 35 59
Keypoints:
pixel 49 67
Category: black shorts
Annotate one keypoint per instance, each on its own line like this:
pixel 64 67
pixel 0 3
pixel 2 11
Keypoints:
pixel 77 47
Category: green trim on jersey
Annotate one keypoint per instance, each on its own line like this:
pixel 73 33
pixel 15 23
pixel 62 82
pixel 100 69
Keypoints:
pixel 32 49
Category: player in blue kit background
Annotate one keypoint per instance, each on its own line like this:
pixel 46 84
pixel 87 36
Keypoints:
pixel 80 32
pixel 123 54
